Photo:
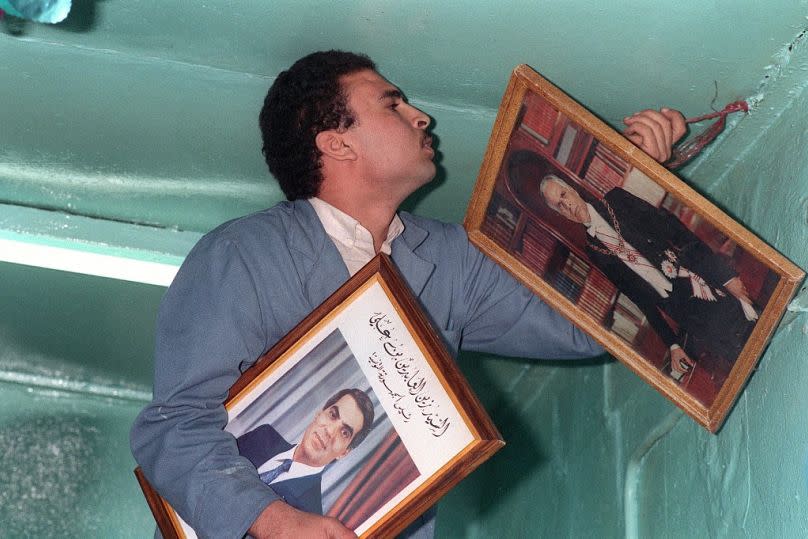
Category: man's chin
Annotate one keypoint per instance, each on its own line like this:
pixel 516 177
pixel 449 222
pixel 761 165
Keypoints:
pixel 424 180
pixel 432 173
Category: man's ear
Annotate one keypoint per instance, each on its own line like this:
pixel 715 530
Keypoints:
pixel 332 143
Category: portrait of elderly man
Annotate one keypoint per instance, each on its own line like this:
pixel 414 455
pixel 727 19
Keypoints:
pixel 663 267
pixel 294 471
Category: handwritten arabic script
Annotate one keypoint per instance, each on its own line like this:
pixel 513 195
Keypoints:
pixel 399 373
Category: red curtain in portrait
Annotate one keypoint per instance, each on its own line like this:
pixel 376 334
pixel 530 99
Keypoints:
pixel 387 471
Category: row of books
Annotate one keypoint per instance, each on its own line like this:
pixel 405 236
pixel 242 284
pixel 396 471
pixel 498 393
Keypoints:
pixel 627 319
pixel 597 295
pixel 537 248
pixel 591 290
pixel 572 276
pixel 605 171
pixel 500 221
pixel 539 118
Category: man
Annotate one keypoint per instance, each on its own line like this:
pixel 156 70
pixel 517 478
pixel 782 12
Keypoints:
pixel 663 267
pixel 347 149
pixel 294 471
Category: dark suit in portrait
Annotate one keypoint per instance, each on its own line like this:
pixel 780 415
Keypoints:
pixel 264 442
pixel 712 332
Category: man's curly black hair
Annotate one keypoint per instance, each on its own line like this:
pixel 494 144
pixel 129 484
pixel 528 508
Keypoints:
pixel 304 100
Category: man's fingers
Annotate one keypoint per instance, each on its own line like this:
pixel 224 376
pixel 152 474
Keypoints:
pixel 282 521
pixel 641 134
pixel 660 124
pixel 688 362
pixel 337 530
pixel 656 131
pixel 633 137
pixel 678 125
pixel 653 139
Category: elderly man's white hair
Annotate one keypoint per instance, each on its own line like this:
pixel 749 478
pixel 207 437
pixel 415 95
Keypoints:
pixel 552 178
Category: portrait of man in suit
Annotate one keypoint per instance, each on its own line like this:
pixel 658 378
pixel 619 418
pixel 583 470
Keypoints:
pixel 294 471
pixel 666 270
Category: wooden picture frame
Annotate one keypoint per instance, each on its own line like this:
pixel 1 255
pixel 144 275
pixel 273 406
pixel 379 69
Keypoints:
pixel 541 133
pixel 428 431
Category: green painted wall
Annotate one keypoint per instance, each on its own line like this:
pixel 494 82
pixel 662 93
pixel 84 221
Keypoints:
pixel 145 112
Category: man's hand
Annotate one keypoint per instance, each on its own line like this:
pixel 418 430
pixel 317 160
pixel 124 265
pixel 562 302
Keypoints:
pixel 680 361
pixel 655 132
pixel 736 287
pixel 280 520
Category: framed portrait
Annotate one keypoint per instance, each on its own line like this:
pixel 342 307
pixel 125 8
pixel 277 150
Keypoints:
pixel 662 278
pixel 359 413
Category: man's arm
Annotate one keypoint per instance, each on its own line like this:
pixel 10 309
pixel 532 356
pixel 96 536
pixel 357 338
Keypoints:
pixel 209 325
pixel 737 288
pixel 504 317
pixel 282 521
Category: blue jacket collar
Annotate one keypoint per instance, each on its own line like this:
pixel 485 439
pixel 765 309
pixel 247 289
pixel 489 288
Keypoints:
pixel 322 265
pixel 416 270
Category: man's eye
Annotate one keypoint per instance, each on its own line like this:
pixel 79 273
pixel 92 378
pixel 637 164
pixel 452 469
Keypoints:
pixel 345 433
pixel 394 106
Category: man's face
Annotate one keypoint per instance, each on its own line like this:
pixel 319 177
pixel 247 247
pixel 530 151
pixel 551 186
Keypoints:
pixel 566 201
pixel 328 436
pixel 389 137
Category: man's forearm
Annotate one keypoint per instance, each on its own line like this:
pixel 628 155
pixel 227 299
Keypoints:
pixel 279 520
pixel 198 471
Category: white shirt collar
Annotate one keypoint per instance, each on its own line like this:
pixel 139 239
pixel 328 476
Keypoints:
pixel 298 469
pixel 353 241
pixel 595 221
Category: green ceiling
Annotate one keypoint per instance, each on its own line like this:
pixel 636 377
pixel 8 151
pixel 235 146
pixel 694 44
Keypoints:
pixel 145 111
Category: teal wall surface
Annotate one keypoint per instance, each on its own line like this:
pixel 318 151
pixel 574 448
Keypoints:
pixel 146 110
pixel 131 128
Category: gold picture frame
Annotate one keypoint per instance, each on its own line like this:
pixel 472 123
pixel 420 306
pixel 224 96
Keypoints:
pixel 575 265
pixel 428 431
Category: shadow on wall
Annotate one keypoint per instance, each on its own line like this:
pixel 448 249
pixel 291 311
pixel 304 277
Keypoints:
pixel 528 451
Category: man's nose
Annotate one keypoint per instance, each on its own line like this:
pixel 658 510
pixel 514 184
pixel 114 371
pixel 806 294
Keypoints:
pixel 419 119
pixel 331 430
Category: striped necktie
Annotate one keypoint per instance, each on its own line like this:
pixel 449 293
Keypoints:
pixel 270 475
